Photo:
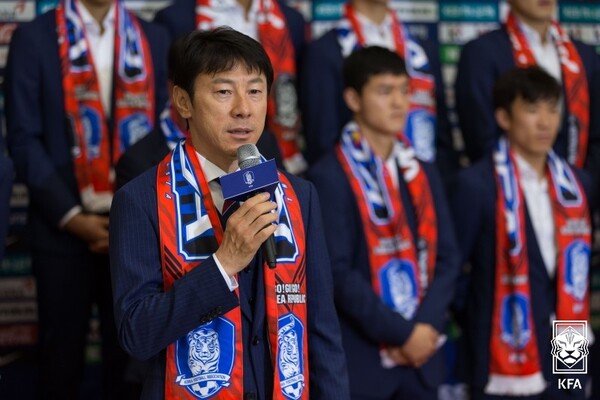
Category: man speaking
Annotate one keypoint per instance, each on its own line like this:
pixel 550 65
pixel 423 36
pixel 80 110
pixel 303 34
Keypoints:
pixel 192 291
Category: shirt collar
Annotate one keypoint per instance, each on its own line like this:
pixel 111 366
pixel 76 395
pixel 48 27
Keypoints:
pixel 233 5
pixel 526 171
pixel 532 36
pixel 385 25
pixel 91 25
pixel 211 171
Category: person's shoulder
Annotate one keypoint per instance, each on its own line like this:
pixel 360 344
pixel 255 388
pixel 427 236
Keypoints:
pixel 153 30
pixel 291 14
pixel 176 8
pixel 326 167
pixel 45 21
pixel 486 41
pixel 142 185
pixel 324 48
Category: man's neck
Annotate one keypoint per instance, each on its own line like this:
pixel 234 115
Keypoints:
pixel 98 10
pixel 375 11
pixel 537 163
pixel 381 145
pixel 540 26
pixel 245 4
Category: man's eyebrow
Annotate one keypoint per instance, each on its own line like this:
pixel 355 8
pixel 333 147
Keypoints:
pixel 258 79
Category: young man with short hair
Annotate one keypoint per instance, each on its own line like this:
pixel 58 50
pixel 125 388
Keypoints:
pixel 390 237
pixel 525 230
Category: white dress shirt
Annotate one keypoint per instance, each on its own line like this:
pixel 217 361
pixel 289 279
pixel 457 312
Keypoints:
pixel 546 54
pixel 231 13
pixel 101 38
pixel 539 207
pixel 212 173
pixel 377 34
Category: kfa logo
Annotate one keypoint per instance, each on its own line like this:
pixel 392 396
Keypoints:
pixel 249 178
pixel 569 351
pixel 569 347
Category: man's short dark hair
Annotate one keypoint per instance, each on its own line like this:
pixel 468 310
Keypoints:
pixel 532 84
pixel 218 50
pixel 365 62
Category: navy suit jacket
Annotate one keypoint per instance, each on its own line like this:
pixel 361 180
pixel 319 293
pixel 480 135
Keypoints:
pixel 39 136
pixel 180 18
pixel 324 112
pixel 6 184
pixel 365 320
pixel 482 61
pixel 473 204
pixel 149 319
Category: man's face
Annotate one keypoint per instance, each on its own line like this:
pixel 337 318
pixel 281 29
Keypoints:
pixel 534 11
pixel 382 106
pixel 228 110
pixel 531 128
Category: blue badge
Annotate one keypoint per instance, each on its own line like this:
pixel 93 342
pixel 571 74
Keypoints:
pixel 399 287
pixel 420 131
pixel 290 362
pixel 91 122
pixel 516 331
pixel 577 259
pixel 133 127
pixel 205 358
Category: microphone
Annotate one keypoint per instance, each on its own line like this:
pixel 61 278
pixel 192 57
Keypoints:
pixel 248 156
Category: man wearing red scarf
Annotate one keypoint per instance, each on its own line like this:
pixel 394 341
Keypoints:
pixel 193 294
pixel 525 231
pixel 324 112
pixel 389 233
pixel 83 82
pixel 282 32
pixel 531 36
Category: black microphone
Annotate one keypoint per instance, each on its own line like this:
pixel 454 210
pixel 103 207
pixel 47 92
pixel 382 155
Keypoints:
pixel 248 156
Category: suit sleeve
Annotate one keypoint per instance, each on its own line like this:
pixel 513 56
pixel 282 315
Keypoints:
pixel 26 127
pixel 355 298
pixel 467 211
pixel 435 305
pixel 474 105
pixel 446 157
pixel 328 376
pixel 321 102
pixel 593 154
pixel 149 318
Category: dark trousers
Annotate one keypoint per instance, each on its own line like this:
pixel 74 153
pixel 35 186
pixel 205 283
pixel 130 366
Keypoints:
pixel 67 286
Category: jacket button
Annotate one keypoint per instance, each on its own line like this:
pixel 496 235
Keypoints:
pixel 255 340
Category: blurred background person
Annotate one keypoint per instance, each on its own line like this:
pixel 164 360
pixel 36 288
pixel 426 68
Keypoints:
pixel 83 82
pixel 391 240
pixel 525 229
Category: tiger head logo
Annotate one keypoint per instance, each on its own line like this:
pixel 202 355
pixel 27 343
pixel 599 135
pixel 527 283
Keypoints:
pixel 289 357
pixel 204 351
pixel 570 347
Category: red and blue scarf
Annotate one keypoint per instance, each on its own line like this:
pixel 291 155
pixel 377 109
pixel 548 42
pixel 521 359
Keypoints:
pixel 514 360
pixel 575 81
pixel 283 115
pixel 207 363
pixel 401 265
pixel 420 129
pixel 97 147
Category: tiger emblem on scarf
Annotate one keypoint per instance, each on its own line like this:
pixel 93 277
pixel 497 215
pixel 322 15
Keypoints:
pixel 204 351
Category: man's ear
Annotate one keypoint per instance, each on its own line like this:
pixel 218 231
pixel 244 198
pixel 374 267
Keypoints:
pixel 182 102
pixel 352 99
pixel 503 118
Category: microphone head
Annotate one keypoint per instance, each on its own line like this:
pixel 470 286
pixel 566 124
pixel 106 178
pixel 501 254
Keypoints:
pixel 248 156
